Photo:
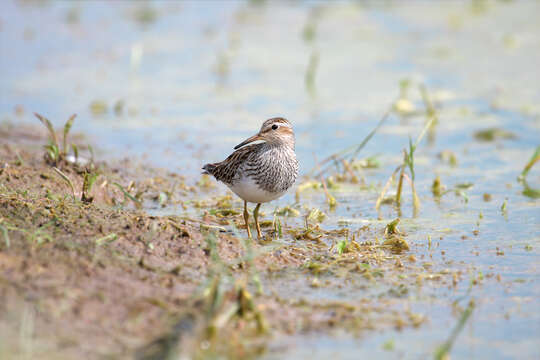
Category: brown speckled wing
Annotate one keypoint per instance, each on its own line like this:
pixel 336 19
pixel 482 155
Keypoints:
pixel 228 170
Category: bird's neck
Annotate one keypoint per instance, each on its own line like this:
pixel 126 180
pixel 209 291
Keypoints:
pixel 280 145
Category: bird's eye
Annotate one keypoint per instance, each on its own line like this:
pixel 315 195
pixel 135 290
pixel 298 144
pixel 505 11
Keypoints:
pixel 274 127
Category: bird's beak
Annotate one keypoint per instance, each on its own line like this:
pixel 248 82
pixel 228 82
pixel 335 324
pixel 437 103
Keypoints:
pixel 249 140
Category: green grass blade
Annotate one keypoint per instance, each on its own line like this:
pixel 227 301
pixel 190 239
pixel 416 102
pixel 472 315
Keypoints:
pixel 424 130
pixel 355 149
pixel 370 135
pixel 530 192
pixel 136 201
pixel 107 239
pixel 67 128
pixel 88 181
pixel 75 151
pixel 410 158
pixel 66 179
pixel 533 160
pixel 443 350
pixel 49 127
pixel 311 72
pixel 91 150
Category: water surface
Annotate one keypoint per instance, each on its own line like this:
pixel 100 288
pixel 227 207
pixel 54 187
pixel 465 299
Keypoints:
pixel 190 80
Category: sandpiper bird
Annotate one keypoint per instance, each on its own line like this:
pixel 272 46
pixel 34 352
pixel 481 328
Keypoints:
pixel 260 172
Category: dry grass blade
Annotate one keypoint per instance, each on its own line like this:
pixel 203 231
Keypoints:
pixel 415 198
pixel 431 112
pixel 329 198
pixel 223 318
pixel 400 181
pixel 385 188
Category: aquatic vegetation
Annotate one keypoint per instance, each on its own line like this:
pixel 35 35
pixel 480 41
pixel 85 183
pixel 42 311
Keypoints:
pixel 396 243
pixel 403 106
pixel 311 72
pixel 448 156
pixel 175 271
pixel 276 226
pixel 341 246
pixel 530 192
pixel 208 253
pixel 391 228
pixel 527 190
pixel 443 351
pixel 331 201
pixel 533 160
pixel 350 153
pixel 205 182
pixel 98 107
pixel 437 188
pixel 315 215
pixel 394 238
pixel 371 162
pixel 288 211
pixel 307 185
pixel 309 32
pixel 492 134
pixel 408 163
pixel 145 15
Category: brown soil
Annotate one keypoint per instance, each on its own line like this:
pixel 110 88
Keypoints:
pixel 105 279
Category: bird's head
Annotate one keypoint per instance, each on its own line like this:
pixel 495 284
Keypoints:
pixel 276 131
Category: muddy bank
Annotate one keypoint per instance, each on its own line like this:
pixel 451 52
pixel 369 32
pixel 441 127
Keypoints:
pixel 101 277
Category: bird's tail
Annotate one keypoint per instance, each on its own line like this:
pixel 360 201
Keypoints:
pixel 208 169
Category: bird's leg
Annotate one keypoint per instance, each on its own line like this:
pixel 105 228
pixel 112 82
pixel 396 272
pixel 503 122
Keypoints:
pixel 256 216
pixel 246 219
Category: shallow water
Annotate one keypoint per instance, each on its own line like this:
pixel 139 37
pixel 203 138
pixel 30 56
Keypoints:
pixel 199 78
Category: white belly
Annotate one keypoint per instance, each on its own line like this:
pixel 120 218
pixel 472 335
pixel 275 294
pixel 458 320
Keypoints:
pixel 249 191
